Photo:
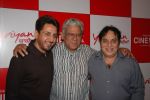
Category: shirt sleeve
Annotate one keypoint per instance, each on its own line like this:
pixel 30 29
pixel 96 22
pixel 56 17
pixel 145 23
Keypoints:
pixel 13 79
pixel 137 83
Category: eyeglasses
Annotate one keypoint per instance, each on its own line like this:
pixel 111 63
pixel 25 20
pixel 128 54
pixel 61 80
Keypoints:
pixel 72 35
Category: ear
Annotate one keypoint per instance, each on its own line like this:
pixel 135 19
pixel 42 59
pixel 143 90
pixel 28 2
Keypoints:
pixel 36 34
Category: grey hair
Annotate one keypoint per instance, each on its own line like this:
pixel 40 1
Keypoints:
pixel 72 22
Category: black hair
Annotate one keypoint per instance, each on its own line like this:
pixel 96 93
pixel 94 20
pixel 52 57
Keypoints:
pixel 110 28
pixel 46 19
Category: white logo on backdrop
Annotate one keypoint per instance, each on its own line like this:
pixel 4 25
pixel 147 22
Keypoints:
pixel 143 40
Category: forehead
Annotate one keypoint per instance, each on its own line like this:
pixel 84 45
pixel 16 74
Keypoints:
pixel 49 27
pixel 73 29
pixel 110 34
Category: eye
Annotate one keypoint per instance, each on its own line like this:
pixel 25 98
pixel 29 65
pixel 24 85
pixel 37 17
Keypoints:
pixel 114 41
pixel 55 35
pixel 70 34
pixel 104 40
pixel 47 33
pixel 74 35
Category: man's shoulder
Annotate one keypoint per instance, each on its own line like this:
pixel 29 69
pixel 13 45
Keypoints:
pixel 19 60
pixel 126 58
pixel 86 47
pixel 57 47
pixel 96 54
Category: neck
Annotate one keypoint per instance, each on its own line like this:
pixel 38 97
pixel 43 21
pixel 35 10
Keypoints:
pixel 109 60
pixel 38 47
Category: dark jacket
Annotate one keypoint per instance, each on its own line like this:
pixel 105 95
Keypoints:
pixel 30 77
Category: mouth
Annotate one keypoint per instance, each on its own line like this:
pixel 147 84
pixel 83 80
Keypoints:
pixel 110 50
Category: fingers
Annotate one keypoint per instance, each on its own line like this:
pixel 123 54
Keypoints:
pixel 132 56
pixel 21 52
pixel 15 53
pixel 20 49
pixel 125 53
pixel 128 53
pixel 24 51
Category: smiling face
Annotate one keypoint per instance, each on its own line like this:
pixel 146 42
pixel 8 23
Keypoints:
pixel 72 38
pixel 109 44
pixel 46 38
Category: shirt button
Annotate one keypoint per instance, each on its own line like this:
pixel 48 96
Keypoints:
pixel 108 92
pixel 107 81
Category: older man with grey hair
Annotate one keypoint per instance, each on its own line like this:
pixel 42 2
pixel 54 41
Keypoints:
pixel 70 60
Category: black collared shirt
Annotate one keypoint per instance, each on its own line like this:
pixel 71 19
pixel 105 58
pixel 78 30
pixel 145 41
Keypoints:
pixel 30 77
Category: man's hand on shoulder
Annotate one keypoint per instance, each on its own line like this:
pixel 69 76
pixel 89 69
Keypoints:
pixel 126 52
pixel 20 49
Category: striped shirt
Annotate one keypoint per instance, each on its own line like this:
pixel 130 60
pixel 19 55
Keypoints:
pixel 70 80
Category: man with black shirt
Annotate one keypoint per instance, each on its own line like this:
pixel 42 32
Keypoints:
pixel 30 77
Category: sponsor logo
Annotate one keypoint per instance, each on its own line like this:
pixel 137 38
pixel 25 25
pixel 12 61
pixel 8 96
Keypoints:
pixel 96 38
pixel 20 37
pixel 143 40
pixel 26 37
pixel 124 39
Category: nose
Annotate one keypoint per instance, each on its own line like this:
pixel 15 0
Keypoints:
pixel 75 37
pixel 109 44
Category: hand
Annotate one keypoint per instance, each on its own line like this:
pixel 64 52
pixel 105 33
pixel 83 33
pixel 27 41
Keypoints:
pixel 126 52
pixel 20 49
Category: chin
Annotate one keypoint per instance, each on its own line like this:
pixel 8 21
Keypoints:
pixel 111 55
pixel 48 48
pixel 74 47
